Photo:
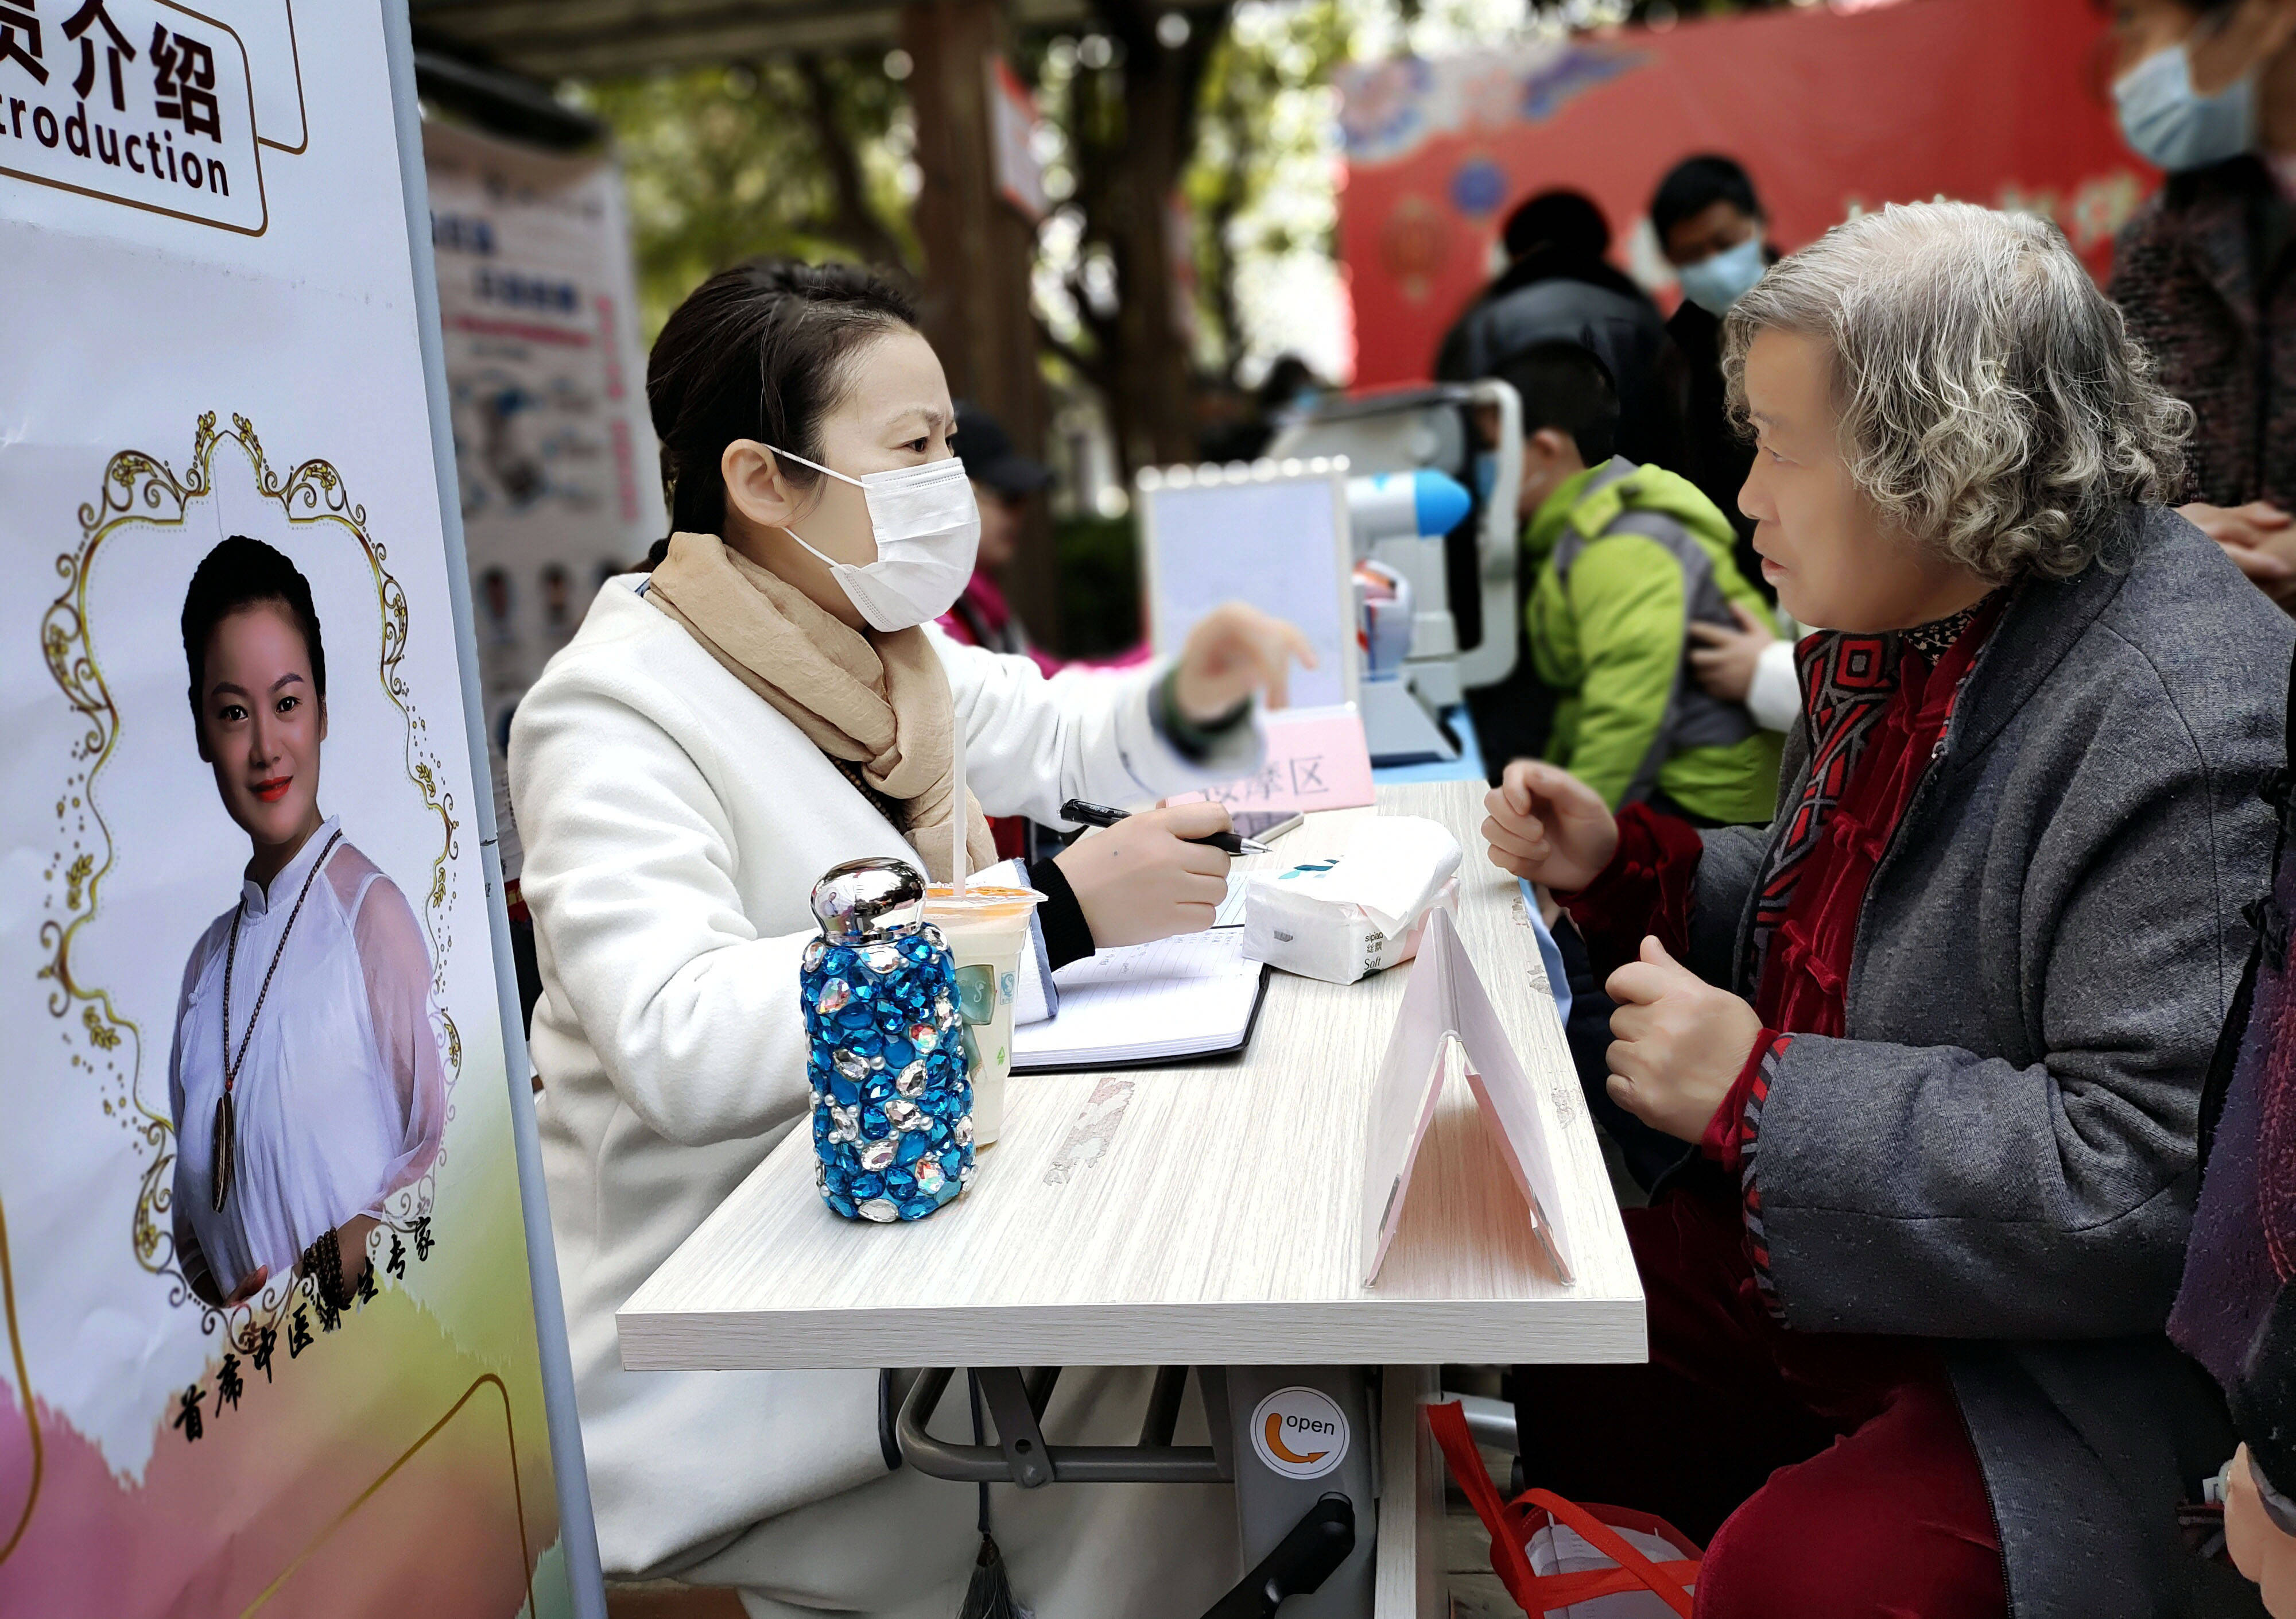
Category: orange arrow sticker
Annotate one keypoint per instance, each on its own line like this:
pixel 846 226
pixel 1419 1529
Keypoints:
pixel 1285 1453
pixel 1306 1415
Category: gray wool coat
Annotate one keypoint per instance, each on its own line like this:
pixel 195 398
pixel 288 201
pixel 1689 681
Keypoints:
pixel 2001 1153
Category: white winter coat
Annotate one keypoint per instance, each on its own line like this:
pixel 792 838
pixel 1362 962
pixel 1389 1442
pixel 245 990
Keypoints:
pixel 674 825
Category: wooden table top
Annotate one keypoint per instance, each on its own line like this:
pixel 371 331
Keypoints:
pixel 1203 1214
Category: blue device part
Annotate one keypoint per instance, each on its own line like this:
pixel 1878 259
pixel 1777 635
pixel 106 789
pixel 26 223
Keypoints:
pixel 1441 502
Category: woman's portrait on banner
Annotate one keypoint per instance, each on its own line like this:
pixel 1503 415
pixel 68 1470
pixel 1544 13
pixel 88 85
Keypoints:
pixel 306 1081
pixel 277 1225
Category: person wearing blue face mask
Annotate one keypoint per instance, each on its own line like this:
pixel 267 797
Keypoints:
pixel 2206 90
pixel 1711 228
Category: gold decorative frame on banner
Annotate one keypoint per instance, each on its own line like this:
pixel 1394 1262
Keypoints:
pixel 142 490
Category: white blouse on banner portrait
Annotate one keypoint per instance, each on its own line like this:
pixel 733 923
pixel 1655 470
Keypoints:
pixel 340 1098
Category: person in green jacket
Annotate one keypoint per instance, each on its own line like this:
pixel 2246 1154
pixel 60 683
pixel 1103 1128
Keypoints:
pixel 1624 559
pixel 1627 558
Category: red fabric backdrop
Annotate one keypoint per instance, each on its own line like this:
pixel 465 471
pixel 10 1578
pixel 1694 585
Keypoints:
pixel 1831 110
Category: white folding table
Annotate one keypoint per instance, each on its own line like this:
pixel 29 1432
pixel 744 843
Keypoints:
pixel 1207 1215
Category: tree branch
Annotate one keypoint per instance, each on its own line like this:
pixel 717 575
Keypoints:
pixel 1093 370
pixel 853 221
pixel 1102 327
pixel 1219 217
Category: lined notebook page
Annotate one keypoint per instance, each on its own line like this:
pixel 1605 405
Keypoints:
pixel 1183 997
pixel 1231 908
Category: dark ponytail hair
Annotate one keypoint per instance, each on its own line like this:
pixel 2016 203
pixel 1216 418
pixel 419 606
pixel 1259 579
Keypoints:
pixel 758 351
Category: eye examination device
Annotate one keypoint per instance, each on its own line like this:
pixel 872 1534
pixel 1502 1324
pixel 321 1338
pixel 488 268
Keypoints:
pixel 1385 526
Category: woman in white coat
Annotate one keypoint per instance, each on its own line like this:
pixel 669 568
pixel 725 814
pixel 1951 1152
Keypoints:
pixel 767 700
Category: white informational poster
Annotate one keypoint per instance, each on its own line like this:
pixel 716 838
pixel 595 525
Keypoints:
pixel 270 1329
pixel 559 479
pixel 1279 541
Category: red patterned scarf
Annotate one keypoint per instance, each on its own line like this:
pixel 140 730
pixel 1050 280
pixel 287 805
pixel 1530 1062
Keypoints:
pixel 1882 703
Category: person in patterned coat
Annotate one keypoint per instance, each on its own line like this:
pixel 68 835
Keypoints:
pixel 1934 1042
pixel 2236 1307
pixel 2202 272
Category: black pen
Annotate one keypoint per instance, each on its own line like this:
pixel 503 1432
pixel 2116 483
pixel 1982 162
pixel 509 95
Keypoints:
pixel 1101 815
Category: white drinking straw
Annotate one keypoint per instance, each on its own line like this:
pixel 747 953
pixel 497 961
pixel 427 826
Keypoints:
pixel 959 814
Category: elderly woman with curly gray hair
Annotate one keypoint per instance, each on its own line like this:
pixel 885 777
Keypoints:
pixel 1934 1042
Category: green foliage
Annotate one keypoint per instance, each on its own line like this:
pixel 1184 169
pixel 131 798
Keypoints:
pixel 1119 109
pixel 811 155
pixel 1258 190
pixel 1100 584
pixel 727 163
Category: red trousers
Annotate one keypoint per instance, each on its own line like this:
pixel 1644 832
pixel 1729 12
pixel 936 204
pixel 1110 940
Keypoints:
pixel 1829 1476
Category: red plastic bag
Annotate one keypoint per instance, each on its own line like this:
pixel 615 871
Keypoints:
pixel 1514 1525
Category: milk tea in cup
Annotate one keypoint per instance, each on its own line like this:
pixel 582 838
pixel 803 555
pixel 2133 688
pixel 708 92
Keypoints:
pixel 988 930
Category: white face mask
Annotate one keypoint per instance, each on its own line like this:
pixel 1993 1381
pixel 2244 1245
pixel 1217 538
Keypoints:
pixel 928 528
pixel 2173 125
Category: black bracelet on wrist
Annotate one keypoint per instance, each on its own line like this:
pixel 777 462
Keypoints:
pixel 1193 740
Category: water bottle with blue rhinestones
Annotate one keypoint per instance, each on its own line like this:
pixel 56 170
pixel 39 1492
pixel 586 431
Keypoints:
pixel 892 1099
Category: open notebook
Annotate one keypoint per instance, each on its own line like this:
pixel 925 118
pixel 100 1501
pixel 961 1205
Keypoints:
pixel 1192 996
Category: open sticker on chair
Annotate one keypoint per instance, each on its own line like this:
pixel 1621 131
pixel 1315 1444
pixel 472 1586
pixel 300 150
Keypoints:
pixel 1300 1433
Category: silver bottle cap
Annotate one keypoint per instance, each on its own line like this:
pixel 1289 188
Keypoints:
pixel 871 898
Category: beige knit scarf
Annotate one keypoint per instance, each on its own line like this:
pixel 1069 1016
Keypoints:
pixel 878 702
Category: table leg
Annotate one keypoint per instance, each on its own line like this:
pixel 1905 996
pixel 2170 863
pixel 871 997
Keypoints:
pixel 1410 1567
pixel 1298 1432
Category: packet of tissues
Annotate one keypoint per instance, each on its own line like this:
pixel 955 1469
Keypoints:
pixel 1340 919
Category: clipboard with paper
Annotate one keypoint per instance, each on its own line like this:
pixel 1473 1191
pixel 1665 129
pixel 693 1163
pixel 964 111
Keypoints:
pixel 1444 1001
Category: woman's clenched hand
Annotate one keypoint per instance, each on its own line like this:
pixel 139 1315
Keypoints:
pixel 1681 1043
pixel 1544 824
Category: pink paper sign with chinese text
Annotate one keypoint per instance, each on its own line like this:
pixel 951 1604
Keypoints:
pixel 1316 759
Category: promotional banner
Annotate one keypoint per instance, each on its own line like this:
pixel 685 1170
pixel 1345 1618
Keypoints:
pixel 559 480
pixel 1832 110
pixel 270 1335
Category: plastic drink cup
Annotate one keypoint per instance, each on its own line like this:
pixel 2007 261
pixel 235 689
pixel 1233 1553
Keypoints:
pixel 987 930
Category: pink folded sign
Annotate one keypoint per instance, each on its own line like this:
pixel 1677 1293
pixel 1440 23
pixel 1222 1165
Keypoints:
pixel 1316 760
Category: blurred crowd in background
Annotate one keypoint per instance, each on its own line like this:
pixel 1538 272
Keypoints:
pixel 1204 243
